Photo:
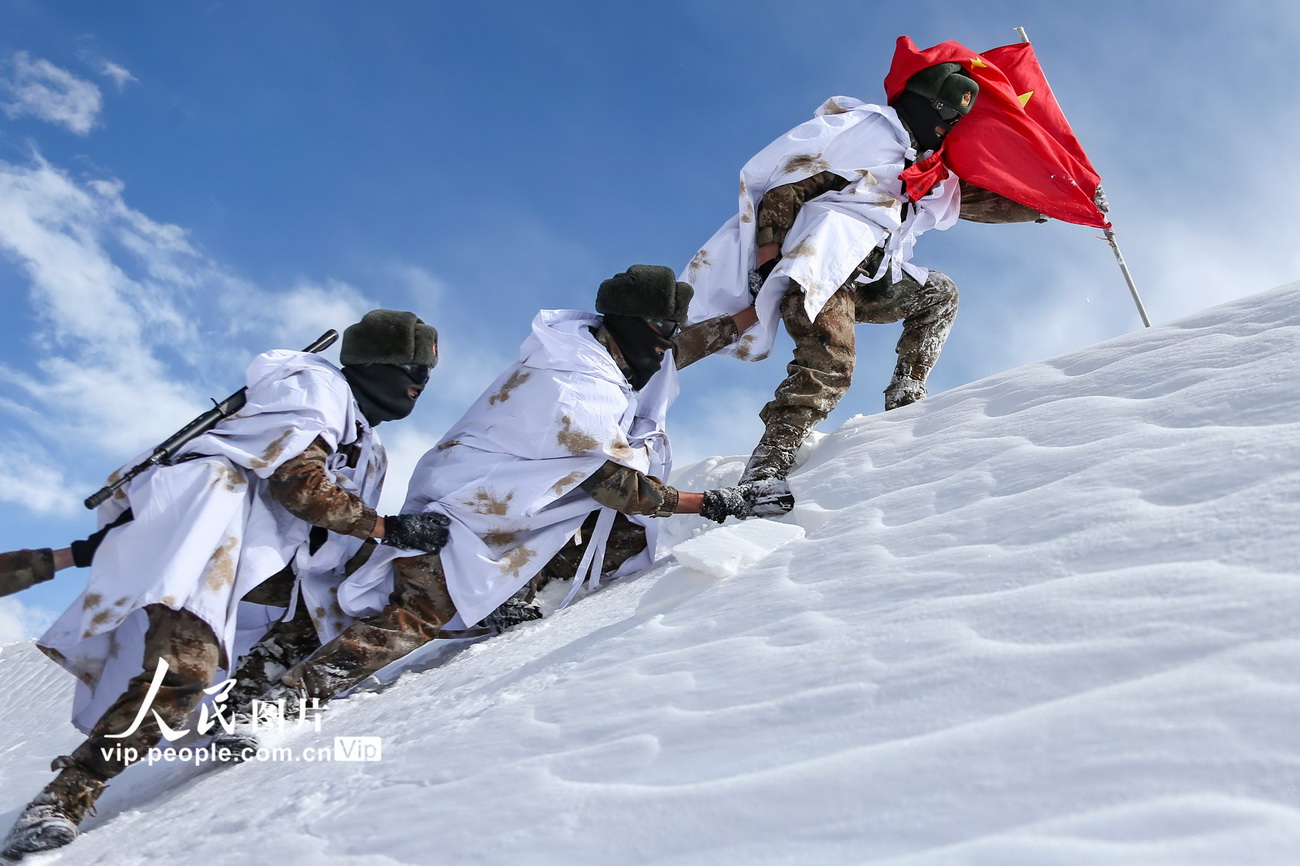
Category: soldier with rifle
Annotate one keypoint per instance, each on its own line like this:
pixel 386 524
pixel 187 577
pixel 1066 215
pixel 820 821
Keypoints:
pixel 22 569
pixel 263 499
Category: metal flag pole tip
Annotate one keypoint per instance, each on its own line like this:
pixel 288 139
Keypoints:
pixel 1110 234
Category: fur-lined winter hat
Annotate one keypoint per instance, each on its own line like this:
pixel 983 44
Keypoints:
pixel 647 292
pixel 945 83
pixel 390 337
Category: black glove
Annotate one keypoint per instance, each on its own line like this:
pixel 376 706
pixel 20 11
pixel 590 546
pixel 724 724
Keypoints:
pixel 83 552
pixel 722 503
pixel 770 497
pixel 426 531
pixel 759 275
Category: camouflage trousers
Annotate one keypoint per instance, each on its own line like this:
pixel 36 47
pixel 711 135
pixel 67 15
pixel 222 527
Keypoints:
pixel 420 606
pixel 190 649
pixel 626 540
pixel 825 353
pixel 285 644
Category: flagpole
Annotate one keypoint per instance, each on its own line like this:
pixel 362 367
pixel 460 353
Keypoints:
pixel 1110 236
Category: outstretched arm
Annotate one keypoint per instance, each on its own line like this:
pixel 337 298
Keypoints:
pixel 628 491
pixel 704 338
pixel 631 492
pixel 306 490
pixel 304 487
pixel 983 206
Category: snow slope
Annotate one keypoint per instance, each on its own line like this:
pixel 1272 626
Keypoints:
pixel 1047 618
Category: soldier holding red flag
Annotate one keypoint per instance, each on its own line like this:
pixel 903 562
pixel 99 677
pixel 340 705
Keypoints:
pixel 830 212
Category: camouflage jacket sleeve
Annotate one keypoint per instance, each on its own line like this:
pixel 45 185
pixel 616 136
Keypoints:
pixel 630 492
pixel 703 339
pixel 781 204
pixel 304 487
pixel 982 206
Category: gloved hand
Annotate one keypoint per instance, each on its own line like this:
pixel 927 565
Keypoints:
pixel 759 275
pixel 83 552
pixel 766 498
pixel 426 531
pixel 1100 201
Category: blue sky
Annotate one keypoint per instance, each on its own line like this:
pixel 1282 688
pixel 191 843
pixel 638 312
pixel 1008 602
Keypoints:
pixel 183 185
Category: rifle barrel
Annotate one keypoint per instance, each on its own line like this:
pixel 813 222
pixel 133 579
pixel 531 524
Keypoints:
pixel 193 430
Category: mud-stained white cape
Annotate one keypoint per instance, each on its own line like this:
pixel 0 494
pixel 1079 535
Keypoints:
pixel 507 473
pixel 865 144
pixel 206 530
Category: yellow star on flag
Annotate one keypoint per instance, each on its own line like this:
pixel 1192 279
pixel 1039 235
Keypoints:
pixel 978 62
pixel 1024 98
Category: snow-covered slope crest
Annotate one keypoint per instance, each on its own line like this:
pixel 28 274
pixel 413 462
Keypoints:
pixel 1049 617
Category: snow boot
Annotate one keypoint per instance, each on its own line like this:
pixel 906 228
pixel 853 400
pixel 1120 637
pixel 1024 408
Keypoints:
pixel 903 391
pixel 239 743
pixel 254 726
pixel 51 820
pixel 277 706
pixel 777 450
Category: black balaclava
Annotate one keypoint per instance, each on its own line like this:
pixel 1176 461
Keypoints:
pixel 383 390
pixel 920 117
pixel 383 356
pixel 637 340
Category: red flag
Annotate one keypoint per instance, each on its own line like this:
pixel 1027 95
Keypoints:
pixel 1016 141
pixel 1020 65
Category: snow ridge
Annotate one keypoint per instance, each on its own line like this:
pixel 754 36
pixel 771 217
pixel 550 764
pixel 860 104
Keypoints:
pixel 1048 617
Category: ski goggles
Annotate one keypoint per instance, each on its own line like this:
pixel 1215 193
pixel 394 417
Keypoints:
pixel 947 113
pixel 418 373
pixel 666 328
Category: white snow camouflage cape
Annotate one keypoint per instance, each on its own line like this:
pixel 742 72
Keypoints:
pixel 507 473
pixel 206 530
pixel 865 144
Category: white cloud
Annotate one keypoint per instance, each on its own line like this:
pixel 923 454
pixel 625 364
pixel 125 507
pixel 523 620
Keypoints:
pixel 1200 264
pixel 102 322
pixel 119 304
pixel 425 290
pixel 21 622
pixel 294 318
pixel 119 75
pixel 59 232
pixel 32 483
pixel 132 327
pixel 406 442
pixel 40 89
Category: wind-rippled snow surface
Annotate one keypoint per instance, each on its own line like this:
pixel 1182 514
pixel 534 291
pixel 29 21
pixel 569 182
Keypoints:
pixel 1051 617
